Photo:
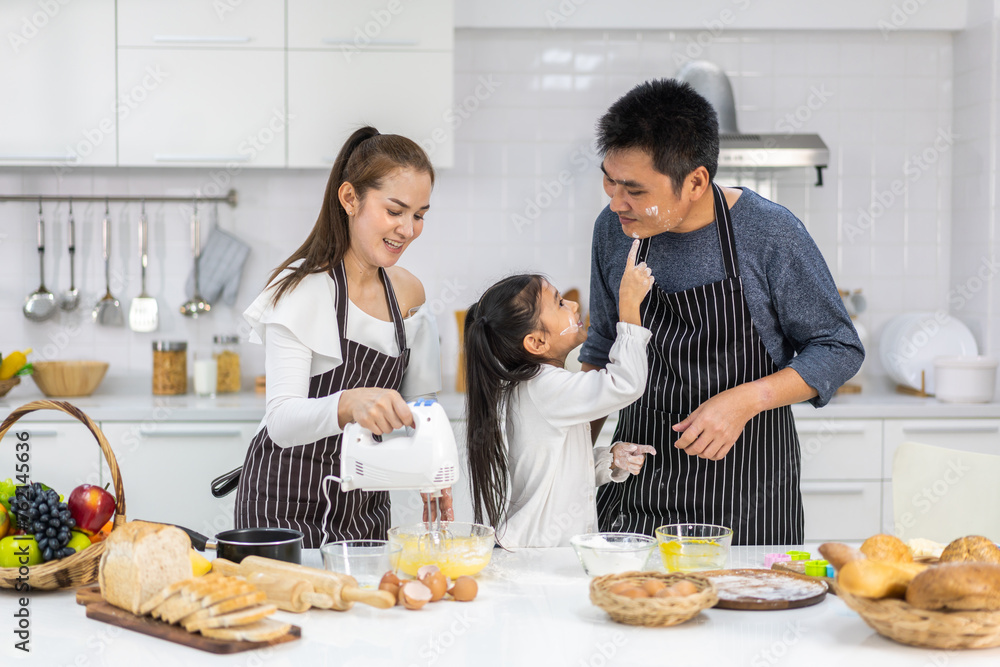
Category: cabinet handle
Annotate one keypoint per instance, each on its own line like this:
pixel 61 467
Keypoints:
pixel 952 428
pixel 340 41
pixel 189 433
pixel 831 429
pixel 41 158
pixel 832 489
pixel 41 433
pixel 200 39
pixel 160 157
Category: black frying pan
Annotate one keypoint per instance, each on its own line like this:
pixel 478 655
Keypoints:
pixel 235 545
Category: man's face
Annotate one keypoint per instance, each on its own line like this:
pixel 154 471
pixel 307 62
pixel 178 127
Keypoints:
pixel 643 198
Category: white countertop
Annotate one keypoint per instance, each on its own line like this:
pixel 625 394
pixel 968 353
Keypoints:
pixel 131 399
pixel 533 609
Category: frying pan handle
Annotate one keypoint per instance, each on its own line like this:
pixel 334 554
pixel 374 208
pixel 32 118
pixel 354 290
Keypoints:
pixel 198 541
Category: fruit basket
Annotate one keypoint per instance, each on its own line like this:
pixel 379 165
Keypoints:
pixel 7 385
pixel 906 624
pixel 652 611
pixel 80 568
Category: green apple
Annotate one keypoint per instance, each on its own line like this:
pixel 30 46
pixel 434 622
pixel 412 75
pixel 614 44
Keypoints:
pixel 79 541
pixel 17 550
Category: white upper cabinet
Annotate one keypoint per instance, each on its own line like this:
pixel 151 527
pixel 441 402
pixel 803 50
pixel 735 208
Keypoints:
pixel 349 26
pixel 329 97
pixel 203 107
pixel 186 23
pixel 57 74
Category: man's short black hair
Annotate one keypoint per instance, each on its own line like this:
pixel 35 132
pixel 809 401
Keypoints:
pixel 670 121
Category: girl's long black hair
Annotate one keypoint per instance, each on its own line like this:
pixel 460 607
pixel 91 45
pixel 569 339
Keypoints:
pixel 496 361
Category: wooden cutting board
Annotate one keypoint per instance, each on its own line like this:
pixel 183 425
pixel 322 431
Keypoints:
pixel 763 590
pixel 99 610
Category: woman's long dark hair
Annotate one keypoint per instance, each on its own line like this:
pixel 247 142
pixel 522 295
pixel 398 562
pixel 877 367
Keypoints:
pixel 365 159
pixel 495 363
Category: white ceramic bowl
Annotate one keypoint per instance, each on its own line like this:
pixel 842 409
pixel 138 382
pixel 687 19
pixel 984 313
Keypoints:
pixel 965 379
pixel 910 343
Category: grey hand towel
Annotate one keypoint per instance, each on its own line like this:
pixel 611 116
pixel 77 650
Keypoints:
pixel 220 268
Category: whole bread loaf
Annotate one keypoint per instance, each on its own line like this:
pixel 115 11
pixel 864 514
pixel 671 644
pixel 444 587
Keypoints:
pixel 972 548
pixel 960 586
pixel 888 548
pixel 139 560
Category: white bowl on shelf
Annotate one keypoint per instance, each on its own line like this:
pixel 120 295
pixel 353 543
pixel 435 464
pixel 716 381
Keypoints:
pixel 911 342
pixel 969 379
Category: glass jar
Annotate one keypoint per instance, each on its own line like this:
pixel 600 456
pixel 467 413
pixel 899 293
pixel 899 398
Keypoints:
pixel 227 358
pixel 169 367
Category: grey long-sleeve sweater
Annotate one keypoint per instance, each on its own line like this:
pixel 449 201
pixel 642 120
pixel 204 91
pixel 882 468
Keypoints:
pixel 792 298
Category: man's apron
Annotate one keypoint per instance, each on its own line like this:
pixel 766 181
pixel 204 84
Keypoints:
pixel 281 486
pixel 703 343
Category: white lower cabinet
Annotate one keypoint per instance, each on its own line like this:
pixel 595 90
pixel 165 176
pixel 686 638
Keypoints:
pixel 167 469
pixel 61 454
pixel 841 511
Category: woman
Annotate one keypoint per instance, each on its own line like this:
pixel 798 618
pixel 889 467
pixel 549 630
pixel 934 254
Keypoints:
pixel 344 337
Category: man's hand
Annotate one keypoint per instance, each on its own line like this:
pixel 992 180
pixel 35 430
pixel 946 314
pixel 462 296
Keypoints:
pixel 629 456
pixel 711 431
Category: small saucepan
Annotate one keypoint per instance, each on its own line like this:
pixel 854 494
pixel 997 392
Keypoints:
pixel 235 545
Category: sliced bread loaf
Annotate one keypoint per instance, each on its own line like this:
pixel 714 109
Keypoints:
pixel 140 559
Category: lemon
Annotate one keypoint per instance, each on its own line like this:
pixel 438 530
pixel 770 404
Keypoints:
pixel 199 564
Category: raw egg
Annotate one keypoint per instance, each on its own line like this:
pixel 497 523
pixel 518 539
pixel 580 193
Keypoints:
pixel 464 589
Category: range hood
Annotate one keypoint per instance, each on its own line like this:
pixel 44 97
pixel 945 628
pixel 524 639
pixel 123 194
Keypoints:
pixel 751 151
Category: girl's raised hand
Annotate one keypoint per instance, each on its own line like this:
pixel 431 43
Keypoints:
pixel 636 283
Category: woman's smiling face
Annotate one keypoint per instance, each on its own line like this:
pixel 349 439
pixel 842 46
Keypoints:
pixel 389 217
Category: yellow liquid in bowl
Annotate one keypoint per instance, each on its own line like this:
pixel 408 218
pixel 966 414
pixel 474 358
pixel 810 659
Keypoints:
pixel 693 555
pixel 456 556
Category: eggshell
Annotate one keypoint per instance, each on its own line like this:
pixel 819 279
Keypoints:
pixel 684 587
pixel 634 592
pixel 667 592
pixel 414 594
pixel 437 582
pixel 621 586
pixel 390 582
pixel 464 589
pixel 426 570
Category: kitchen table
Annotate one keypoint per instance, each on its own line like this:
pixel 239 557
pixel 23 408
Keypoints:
pixel 533 609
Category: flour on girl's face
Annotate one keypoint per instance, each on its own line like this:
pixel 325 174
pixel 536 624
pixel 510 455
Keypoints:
pixel 571 329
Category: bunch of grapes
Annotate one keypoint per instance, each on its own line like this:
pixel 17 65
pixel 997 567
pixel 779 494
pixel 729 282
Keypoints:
pixel 40 513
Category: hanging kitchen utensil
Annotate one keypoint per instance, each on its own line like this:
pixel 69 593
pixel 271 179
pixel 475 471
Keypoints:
pixel 143 314
pixel 196 305
pixel 40 305
pixel 108 311
pixel 70 299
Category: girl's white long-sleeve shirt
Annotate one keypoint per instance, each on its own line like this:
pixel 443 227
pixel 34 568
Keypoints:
pixel 554 468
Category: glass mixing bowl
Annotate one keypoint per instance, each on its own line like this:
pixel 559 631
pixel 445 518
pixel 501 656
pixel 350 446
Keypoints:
pixel 457 548
pixel 690 547
pixel 612 553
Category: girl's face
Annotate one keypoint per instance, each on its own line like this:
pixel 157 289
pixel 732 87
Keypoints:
pixel 389 218
pixel 560 320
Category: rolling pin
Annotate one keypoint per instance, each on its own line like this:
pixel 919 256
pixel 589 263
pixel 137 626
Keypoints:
pixel 341 587
pixel 287 593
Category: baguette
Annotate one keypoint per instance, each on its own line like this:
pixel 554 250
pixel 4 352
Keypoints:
pixel 261 631
pixel 971 548
pixel 877 579
pixel 887 548
pixel 957 586
pixel 140 559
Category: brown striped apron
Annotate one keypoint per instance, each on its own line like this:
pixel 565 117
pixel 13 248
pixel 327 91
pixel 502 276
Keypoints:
pixel 704 342
pixel 282 486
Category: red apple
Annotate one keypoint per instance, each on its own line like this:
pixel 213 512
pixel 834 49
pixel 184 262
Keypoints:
pixel 91 507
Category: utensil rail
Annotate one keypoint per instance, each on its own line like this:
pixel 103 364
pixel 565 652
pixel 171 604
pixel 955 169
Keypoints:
pixel 230 198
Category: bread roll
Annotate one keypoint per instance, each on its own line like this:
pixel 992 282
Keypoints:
pixel 964 586
pixel 877 579
pixel 971 548
pixel 839 554
pixel 140 559
pixel 888 548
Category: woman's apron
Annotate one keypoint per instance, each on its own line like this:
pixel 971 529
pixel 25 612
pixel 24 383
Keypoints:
pixel 282 486
pixel 704 342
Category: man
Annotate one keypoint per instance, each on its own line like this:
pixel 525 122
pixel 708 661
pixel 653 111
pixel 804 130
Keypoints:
pixel 746 321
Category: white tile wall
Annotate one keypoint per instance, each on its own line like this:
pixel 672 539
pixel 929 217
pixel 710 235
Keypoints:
pixel 875 101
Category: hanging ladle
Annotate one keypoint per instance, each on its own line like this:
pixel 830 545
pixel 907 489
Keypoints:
pixel 40 304
pixel 196 305
pixel 70 299
pixel 108 311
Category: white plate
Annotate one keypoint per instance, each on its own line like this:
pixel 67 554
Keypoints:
pixel 910 342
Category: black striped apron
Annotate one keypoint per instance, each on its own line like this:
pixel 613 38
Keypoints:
pixel 281 486
pixel 704 342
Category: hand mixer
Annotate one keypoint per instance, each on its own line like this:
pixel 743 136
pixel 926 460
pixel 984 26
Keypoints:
pixel 424 458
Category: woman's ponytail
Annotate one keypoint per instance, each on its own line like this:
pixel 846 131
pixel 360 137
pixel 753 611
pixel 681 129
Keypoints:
pixel 495 363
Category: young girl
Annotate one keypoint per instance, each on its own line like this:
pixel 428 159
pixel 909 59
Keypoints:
pixel 536 486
